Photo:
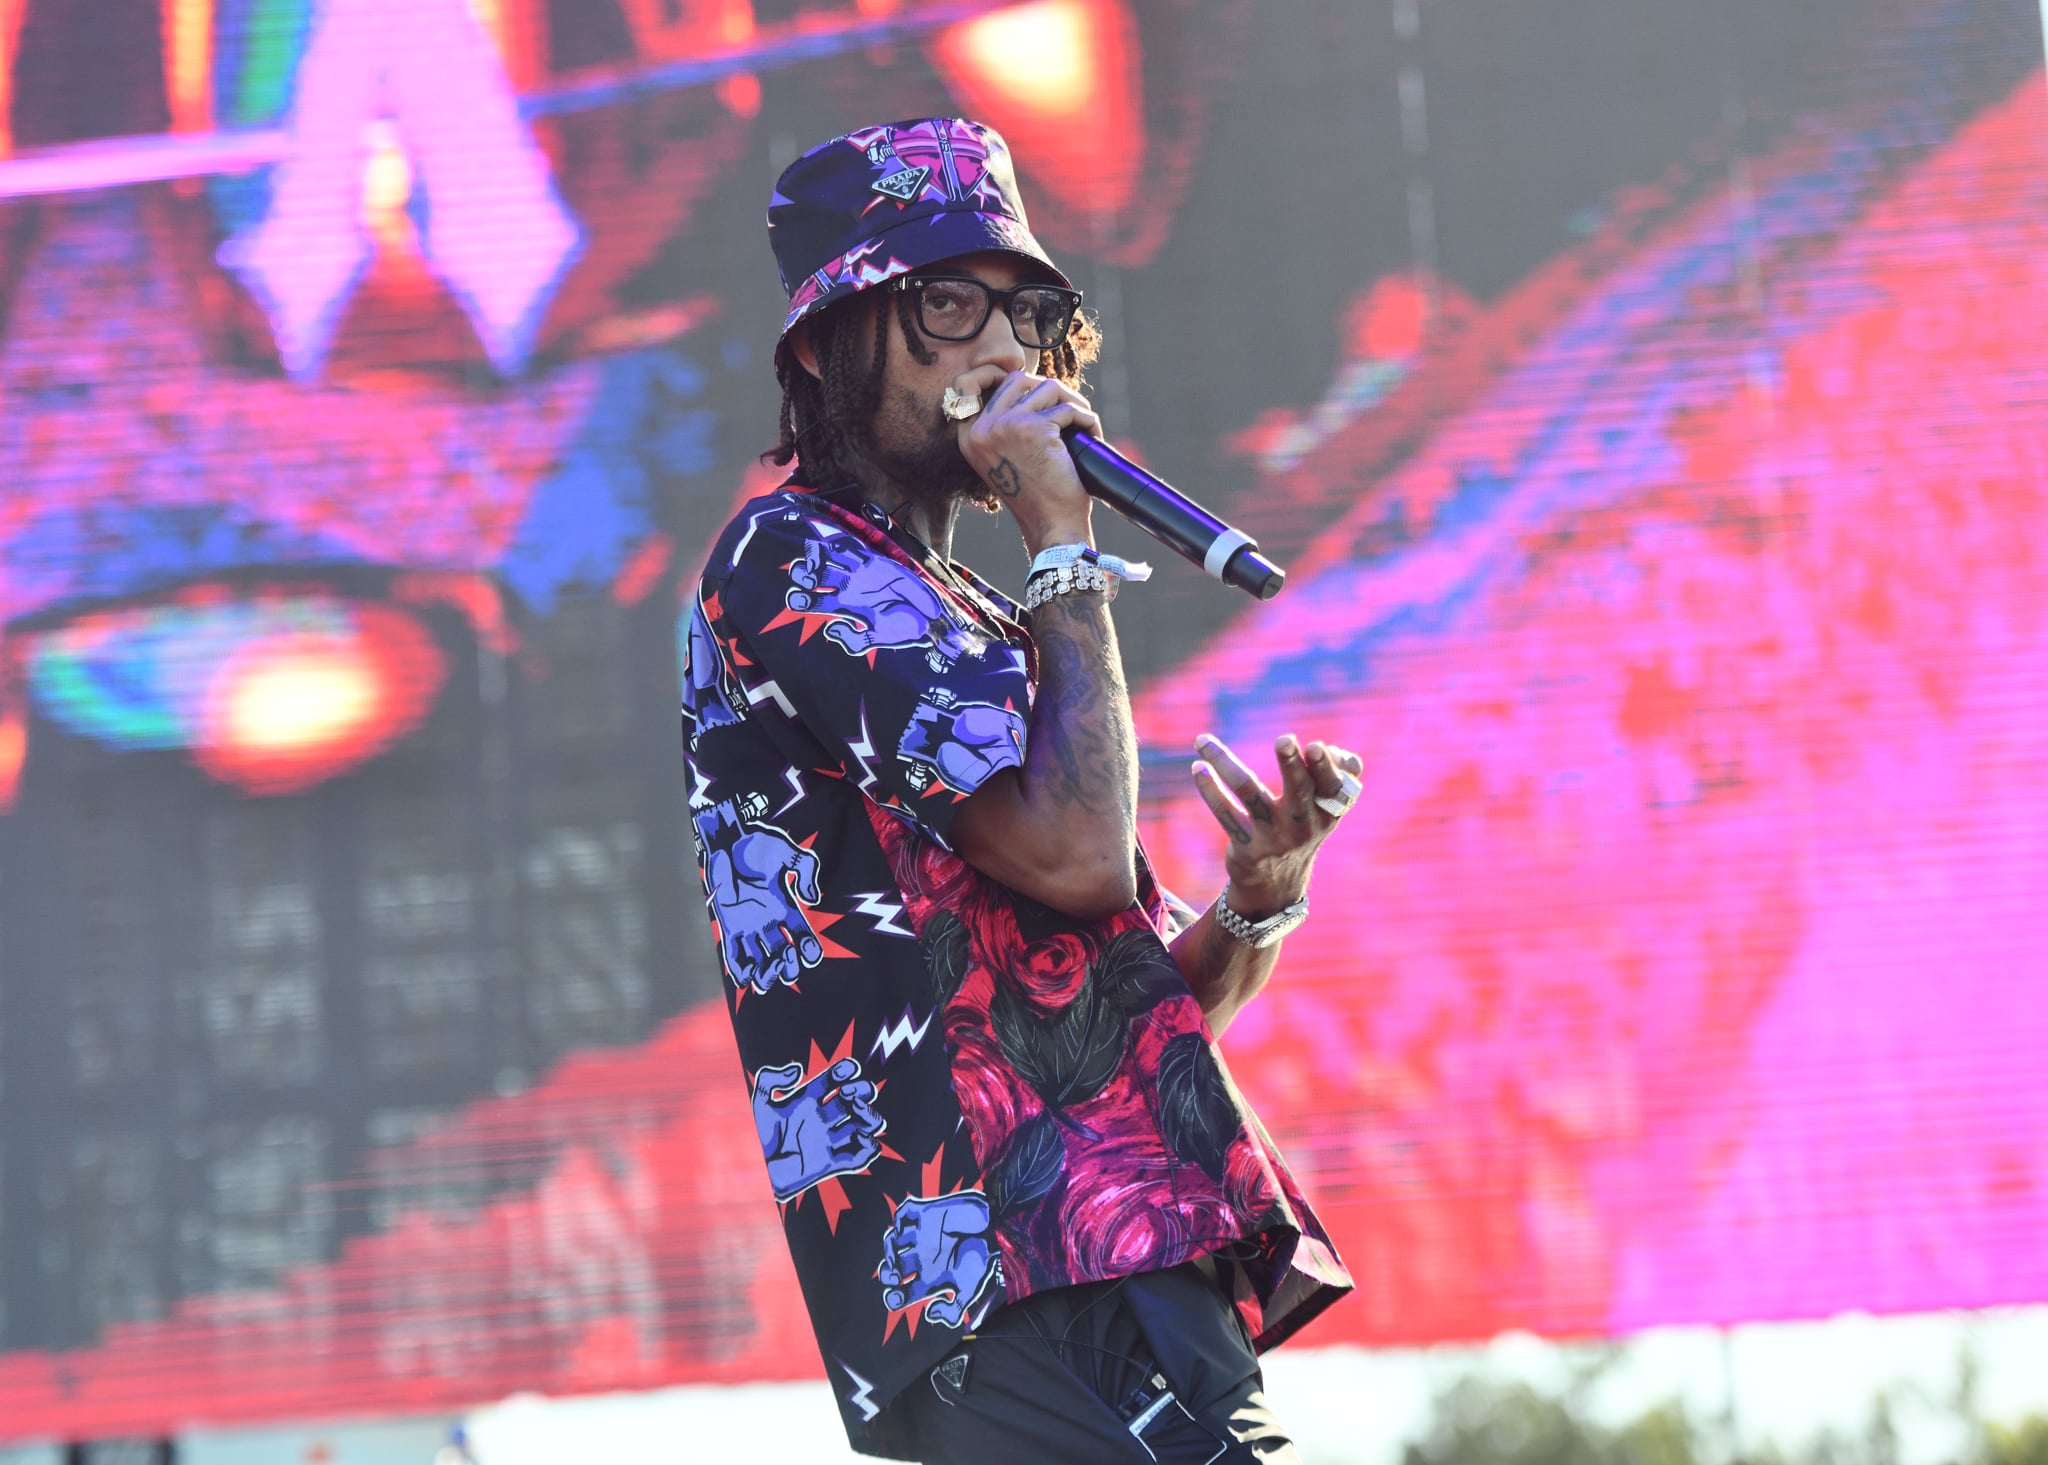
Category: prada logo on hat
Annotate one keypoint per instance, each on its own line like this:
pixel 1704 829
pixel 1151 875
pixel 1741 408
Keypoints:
pixel 903 185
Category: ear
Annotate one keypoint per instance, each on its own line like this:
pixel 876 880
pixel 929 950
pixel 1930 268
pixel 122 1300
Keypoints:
pixel 801 347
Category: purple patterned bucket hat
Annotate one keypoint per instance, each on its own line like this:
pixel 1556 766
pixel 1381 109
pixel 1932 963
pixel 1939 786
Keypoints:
pixel 883 201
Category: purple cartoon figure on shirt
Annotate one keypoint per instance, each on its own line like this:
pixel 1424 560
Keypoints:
pixel 816 1129
pixel 876 604
pixel 756 878
pixel 705 696
pixel 938 1251
pixel 962 742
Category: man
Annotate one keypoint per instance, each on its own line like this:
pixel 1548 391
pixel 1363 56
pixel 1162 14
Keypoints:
pixel 1032 1217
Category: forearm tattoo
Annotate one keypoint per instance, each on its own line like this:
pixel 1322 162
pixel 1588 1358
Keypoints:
pixel 1082 743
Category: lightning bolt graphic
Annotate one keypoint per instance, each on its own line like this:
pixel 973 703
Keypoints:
pixel 700 791
pixel 772 692
pixel 859 1397
pixel 885 913
pixel 748 537
pixel 795 781
pixel 862 750
pixel 901 1034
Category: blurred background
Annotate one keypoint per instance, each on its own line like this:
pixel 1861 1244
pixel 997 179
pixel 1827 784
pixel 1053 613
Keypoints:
pixel 1646 396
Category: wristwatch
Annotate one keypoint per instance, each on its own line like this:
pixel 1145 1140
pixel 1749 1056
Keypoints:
pixel 1259 933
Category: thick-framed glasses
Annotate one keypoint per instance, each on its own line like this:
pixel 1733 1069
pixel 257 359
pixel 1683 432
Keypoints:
pixel 956 307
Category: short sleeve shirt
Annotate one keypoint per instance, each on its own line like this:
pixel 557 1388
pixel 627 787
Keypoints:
pixel 962 1096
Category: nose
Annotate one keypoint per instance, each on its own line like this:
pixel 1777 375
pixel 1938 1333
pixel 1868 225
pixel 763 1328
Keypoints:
pixel 997 345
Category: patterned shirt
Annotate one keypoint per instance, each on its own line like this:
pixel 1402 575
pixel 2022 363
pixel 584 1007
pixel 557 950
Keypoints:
pixel 962 1095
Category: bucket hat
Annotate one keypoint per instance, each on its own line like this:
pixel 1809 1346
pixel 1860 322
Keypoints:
pixel 882 201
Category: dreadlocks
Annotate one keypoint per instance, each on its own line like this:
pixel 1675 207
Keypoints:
pixel 828 419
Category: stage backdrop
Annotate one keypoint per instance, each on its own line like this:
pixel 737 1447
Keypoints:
pixel 1647 396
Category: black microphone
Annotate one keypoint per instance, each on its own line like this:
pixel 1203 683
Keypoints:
pixel 1170 517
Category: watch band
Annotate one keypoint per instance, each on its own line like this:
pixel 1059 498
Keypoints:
pixel 1259 933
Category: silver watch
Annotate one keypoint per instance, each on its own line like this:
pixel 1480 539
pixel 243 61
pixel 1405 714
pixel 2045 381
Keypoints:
pixel 1259 933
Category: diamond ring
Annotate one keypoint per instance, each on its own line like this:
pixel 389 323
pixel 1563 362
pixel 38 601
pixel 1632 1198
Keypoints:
pixel 1338 803
pixel 959 406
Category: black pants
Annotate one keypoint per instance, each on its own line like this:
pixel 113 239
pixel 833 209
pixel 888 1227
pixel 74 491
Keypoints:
pixel 1152 1368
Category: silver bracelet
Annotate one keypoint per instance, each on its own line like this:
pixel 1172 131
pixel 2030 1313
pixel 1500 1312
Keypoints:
pixel 1080 575
pixel 1259 933
pixel 1053 556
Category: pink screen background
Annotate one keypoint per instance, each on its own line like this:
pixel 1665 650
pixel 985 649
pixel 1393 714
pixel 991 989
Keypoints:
pixel 1683 959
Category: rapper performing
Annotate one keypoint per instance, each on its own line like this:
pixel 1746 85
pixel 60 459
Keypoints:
pixel 1033 1219
pixel 1309 733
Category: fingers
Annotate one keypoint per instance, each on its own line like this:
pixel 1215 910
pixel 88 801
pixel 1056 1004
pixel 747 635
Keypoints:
pixel 1024 392
pixel 847 635
pixel 781 1076
pixel 1241 780
pixel 1229 814
pixel 843 1070
pixel 1056 401
pixel 806 867
pixel 1066 415
pixel 1297 782
pixel 1329 765
pixel 1003 395
pixel 859 1097
pixel 855 1106
pixel 980 382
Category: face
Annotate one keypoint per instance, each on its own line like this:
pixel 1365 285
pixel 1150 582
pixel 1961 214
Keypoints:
pixel 914 443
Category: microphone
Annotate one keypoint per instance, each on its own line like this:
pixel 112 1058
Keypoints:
pixel 1176 521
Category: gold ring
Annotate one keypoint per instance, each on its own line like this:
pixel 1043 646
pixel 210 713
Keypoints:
pixel 959 406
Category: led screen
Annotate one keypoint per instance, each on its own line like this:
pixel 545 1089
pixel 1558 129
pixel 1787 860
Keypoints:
pixel 1645 399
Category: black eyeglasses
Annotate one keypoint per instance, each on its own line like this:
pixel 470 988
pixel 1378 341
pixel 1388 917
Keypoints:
pixel 957 307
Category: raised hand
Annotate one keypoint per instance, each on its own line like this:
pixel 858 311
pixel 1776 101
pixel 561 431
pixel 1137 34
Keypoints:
pixel 756 878
pixel 877 603
pixel 938 1251
pixel 1274 836
pixel 1014 443
pixel 825 1127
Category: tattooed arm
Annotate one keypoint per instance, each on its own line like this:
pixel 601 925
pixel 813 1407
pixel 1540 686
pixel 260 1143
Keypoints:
pixel 1273 843
pixel 1063 828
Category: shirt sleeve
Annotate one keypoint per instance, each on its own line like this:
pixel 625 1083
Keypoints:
pixel 919 706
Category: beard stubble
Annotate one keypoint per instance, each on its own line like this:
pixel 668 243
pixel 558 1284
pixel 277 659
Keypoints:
pixel 918 448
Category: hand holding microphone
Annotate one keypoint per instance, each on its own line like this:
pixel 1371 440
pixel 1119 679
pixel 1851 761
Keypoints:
pixel 1162 511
